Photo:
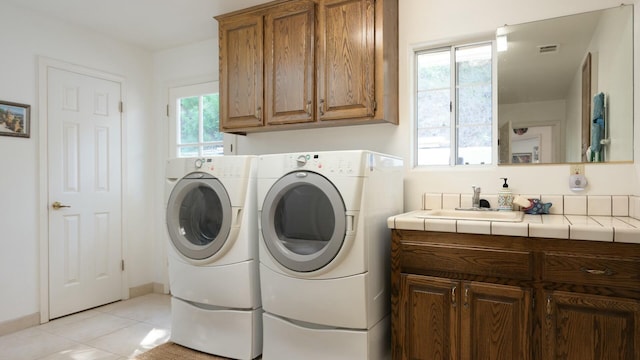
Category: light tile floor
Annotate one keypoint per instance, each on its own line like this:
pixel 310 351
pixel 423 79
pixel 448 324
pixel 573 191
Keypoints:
pixel 117 331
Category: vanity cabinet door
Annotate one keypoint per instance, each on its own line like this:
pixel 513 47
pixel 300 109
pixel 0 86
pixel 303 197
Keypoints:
pixel 495 322
pixel 441 318
pixel 427 322
pixel 289 63
pixel 346 59
pixel 591 327
pixel 241 73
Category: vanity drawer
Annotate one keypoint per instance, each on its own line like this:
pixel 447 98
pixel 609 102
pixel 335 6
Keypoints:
pixel 591 270
pixel 443 259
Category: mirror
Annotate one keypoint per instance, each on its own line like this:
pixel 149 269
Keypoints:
pixel 565 89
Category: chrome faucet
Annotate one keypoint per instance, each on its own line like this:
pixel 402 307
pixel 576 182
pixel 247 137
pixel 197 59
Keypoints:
pixel 475 202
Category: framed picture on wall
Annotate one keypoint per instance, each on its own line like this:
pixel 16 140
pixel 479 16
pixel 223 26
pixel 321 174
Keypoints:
pixel 14 119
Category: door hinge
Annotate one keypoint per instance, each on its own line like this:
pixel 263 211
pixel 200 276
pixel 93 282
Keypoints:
pixel 122 265
pixel 121 107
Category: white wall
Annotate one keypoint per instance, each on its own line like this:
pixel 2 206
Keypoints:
pixel 539 113
pixel 614 81
pixel 24 36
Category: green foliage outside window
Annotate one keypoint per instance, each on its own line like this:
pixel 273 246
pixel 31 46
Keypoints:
pixel 454 105
pixel 190 119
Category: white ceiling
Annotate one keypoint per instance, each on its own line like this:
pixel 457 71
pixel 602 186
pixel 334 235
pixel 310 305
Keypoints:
pixel 524 75
pixel 151 24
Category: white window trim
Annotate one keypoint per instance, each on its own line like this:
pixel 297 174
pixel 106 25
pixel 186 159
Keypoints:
pixel 182 91
pixel 412 103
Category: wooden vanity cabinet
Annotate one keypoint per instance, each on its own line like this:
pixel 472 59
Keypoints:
pixel 455 300
pixel 446 319
pixel 591 301
pixel 308 63
pixel 585 327
pixel 466 296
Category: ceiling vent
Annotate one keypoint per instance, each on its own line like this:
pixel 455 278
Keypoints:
pixel 548 49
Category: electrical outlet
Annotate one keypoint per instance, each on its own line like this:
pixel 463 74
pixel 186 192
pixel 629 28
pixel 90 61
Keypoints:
pixel 576 169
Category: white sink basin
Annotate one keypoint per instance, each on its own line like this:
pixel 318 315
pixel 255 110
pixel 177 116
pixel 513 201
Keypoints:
pixel 485 215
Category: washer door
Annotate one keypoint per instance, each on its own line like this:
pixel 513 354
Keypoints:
pixel 303 221
pixel 199 216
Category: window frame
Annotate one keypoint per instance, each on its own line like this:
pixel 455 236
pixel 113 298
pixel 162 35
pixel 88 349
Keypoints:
pixel 451 47
pixel 173 111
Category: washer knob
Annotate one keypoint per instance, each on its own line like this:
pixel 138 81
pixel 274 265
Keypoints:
pixel 198 163
pixel 301 160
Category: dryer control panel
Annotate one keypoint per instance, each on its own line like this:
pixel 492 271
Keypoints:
pixel 332 163
pixel 220 166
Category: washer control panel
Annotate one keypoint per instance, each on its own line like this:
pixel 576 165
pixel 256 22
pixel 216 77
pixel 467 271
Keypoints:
pixel 328 164
pixel 218 167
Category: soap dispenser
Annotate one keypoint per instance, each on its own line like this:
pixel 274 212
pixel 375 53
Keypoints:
pixel 505 197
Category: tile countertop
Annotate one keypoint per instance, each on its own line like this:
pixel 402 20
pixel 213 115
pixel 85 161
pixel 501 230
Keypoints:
pixel 575 227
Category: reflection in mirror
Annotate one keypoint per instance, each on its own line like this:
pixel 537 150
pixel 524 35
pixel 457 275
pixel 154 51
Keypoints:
pixel 565 89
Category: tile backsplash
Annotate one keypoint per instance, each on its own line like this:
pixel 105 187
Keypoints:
pixel 592 205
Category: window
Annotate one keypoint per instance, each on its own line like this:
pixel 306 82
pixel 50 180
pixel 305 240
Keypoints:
pixel 454 105
pixel 194 114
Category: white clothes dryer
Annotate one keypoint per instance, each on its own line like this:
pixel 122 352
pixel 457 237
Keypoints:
pixel 213 256
pixel 325 252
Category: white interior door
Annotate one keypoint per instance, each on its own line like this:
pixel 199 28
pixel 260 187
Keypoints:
pixel 84 178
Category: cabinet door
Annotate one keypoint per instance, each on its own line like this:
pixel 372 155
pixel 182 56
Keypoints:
pixel 345 56
pixel 241 85
pixel 289 63
pixel 591 327
pixel 495 322
pixel 428 313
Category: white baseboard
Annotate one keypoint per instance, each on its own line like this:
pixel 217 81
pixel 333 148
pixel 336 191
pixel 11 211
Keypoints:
pixel 9 326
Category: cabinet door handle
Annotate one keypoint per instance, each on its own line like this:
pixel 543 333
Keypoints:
pixel 309 107
pixel 549 307
pixel 453 296
pixel 466 296
pixel 259 112
pixel 321 107
pixel 605 272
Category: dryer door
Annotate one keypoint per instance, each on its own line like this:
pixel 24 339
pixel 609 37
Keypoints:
pixel 199 216
pixel 303 221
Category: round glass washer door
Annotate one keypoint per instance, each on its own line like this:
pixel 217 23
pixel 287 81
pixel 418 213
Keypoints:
pixel 199 216
pixel 303 221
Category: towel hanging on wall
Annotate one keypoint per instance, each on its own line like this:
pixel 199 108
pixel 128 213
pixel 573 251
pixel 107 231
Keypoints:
pixel 597 128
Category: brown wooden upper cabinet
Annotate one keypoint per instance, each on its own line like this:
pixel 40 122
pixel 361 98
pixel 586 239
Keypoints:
pixel 309 63
pixel 241 62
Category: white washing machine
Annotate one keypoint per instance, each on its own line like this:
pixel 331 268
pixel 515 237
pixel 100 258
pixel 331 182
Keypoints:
pixel 213 256
pixel 325 253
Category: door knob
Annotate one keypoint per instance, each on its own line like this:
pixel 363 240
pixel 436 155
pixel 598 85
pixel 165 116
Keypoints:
pixel 57 205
